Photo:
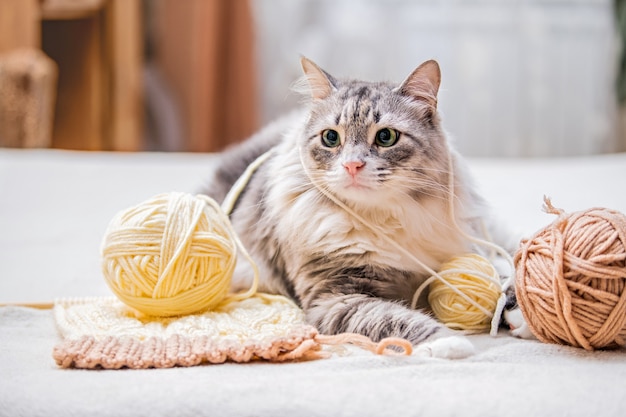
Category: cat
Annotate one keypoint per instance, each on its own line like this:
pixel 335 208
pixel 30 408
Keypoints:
pixel 380 149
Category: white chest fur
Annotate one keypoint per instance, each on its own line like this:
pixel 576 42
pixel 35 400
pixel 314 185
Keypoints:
pixel 313 226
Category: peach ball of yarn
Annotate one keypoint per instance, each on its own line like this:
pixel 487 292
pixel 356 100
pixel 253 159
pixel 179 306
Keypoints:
pixel 571 279
pixel 171 255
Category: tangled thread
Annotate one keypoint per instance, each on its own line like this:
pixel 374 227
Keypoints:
pixel 571 279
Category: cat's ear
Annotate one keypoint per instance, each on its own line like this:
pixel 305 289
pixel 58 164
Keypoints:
pixel 320 83
pixel 423 83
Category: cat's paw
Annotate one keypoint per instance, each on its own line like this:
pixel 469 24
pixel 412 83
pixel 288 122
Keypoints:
pixel 449 347
pixel 514 318
pixel 517 324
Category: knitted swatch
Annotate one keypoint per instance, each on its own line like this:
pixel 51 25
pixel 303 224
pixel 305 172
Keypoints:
pixel 104 333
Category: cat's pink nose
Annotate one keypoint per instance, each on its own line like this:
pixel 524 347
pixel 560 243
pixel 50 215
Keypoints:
pixel 353 166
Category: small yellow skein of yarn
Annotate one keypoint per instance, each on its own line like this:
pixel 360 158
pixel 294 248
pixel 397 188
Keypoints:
pixel 474 276
pixel 465 294
pixel 173 254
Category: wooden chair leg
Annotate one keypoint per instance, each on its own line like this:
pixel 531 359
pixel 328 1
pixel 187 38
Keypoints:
pixel 28 81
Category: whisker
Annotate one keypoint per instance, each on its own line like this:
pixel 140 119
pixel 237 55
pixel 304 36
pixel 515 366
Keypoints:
pixel 421 185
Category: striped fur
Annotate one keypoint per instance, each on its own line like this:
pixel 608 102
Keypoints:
pixel 344 276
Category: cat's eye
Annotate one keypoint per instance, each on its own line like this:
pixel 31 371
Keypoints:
pixel 386 137
pixel 330 138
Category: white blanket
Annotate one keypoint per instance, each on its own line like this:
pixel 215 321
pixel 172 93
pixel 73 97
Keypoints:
pixel 54 208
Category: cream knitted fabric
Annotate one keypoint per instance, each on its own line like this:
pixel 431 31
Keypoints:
pixel 104 333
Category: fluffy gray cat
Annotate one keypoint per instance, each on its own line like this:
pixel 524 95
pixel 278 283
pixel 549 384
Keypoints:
pixel 381 150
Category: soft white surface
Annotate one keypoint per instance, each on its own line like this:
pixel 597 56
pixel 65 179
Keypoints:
pixel 54 208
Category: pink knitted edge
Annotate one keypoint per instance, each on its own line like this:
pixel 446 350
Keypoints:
pixel 126 352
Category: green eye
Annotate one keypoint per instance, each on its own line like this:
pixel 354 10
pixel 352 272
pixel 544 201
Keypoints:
pixel 386 137
pixel 330 138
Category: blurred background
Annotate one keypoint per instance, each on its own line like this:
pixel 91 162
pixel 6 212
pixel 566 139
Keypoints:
pixel 519 77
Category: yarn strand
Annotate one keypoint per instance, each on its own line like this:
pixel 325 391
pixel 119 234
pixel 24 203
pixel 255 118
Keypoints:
pixel 227 207
pixel 499 309
pixel 235 191
pixel 364 342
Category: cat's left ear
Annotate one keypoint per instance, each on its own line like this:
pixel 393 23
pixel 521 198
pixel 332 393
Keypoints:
pixel 321 84
pixel 423 83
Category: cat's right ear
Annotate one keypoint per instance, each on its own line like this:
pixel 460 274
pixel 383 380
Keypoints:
pixel 320 83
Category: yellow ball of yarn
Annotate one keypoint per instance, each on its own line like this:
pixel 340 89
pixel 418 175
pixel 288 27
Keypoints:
pixel 471 278
pixel 173 254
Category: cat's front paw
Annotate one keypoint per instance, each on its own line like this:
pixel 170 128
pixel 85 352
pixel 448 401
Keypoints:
pixel 449 347
pixel 517 324
pixel 514 318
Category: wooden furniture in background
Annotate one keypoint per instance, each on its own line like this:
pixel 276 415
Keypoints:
pixel 19 24
pixel 28 80
pixel 205 51
pixel 99 51
pixel 97 45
